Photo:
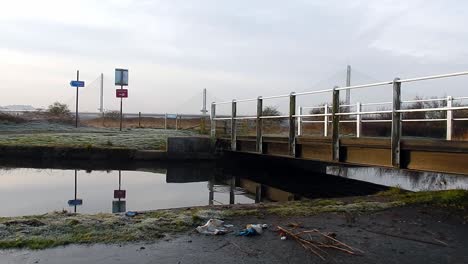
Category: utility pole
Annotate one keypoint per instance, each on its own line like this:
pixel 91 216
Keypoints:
pixel 204 111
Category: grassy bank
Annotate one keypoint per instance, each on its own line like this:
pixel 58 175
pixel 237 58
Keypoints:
pixel 46 134
pixel 62 228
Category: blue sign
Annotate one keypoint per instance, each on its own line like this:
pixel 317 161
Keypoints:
pixel 77 83
pixel 75 202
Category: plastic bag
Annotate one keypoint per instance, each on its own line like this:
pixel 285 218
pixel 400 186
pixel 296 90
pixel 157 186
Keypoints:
pixel 212 227
pixel 253 229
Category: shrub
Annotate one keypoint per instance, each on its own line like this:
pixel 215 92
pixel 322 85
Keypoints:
pixel 112 115
pixel 58 110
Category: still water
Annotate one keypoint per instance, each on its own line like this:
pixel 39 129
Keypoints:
pixel 28 191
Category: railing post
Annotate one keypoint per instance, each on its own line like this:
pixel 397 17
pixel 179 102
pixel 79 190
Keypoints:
pixel 358 119
pixel 177 122
pixel 396 124
pixel 292 124
pixel 234 126
pixel 165 121
pixel 259 141
pixel 336 124
pixel 299 122
pixel 325 121
pixel 449 118
pixel 213 121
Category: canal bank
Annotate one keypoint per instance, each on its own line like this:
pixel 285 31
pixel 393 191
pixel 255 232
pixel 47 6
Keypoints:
pixel 393 226
pixel 177 148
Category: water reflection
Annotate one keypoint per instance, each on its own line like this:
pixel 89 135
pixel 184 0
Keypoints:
pixel 37 191
pixel 119 205
pixel 75 202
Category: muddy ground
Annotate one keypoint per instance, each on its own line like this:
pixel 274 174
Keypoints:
pixel 408 234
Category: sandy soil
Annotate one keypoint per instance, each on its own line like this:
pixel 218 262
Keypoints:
pixel 410 234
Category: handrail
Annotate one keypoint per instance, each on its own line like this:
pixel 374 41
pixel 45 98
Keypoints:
pixel 331 113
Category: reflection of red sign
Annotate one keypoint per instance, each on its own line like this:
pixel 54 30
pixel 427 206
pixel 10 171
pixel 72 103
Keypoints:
pixel 119 194
pixel 121 93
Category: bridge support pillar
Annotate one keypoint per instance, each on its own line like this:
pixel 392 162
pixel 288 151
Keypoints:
pixel 292 125
pixel 336 124
pixel 396 124
pixel 258 141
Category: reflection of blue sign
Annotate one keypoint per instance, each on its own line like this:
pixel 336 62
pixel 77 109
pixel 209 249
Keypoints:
pixel 118 206
pixel 77 83
pixel 75 202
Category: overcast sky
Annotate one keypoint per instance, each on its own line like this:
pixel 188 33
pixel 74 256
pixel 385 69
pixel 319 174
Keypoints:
pixel 236 49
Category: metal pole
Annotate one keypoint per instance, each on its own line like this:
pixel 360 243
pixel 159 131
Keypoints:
pixel 336 124
pixel 102 94
pixel 299 122
pixel 177 122
pixel 396 123
pixel 165 121
pixel 139 119
pixel 358 120
pixel 120 179
pixel 292 124
pixel 348 83
pixel 121 114
pixel 76 112
pixel 258 141
pixel 211 191
pixel 213 121
pixel 325 121
pixel 231 190
pixel 234 126
pixel 258 193
pixel 449 118
pixel 76 188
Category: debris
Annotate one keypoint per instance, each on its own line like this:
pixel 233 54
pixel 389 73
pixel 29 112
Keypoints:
pixel 437 243
pixel 253 229
pixel 131 213
pixel 316 245
pixel 212 227
pixel 283 238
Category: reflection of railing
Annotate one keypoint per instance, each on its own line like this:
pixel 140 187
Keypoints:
pixel 333 116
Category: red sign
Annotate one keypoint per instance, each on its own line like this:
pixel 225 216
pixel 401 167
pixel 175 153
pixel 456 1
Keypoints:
pixel 121 93
pixel 119 194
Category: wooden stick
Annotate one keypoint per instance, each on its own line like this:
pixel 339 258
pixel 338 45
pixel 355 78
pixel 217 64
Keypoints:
pixel 442 244
pixel 329 237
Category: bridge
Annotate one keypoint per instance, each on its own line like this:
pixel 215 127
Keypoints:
pixel 285 135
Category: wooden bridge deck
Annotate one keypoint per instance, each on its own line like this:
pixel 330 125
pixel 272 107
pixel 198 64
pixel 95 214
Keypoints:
pixel 416 154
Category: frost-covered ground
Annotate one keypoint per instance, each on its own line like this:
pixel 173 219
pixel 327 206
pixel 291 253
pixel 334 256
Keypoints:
pixel 55 134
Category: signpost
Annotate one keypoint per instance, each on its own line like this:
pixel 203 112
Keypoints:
pixel 77 84
pixel 121 79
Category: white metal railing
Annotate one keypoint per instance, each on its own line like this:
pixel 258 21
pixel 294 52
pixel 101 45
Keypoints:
pixel 331 113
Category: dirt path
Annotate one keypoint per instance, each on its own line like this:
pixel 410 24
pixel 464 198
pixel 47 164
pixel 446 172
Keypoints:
pixel 410 234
